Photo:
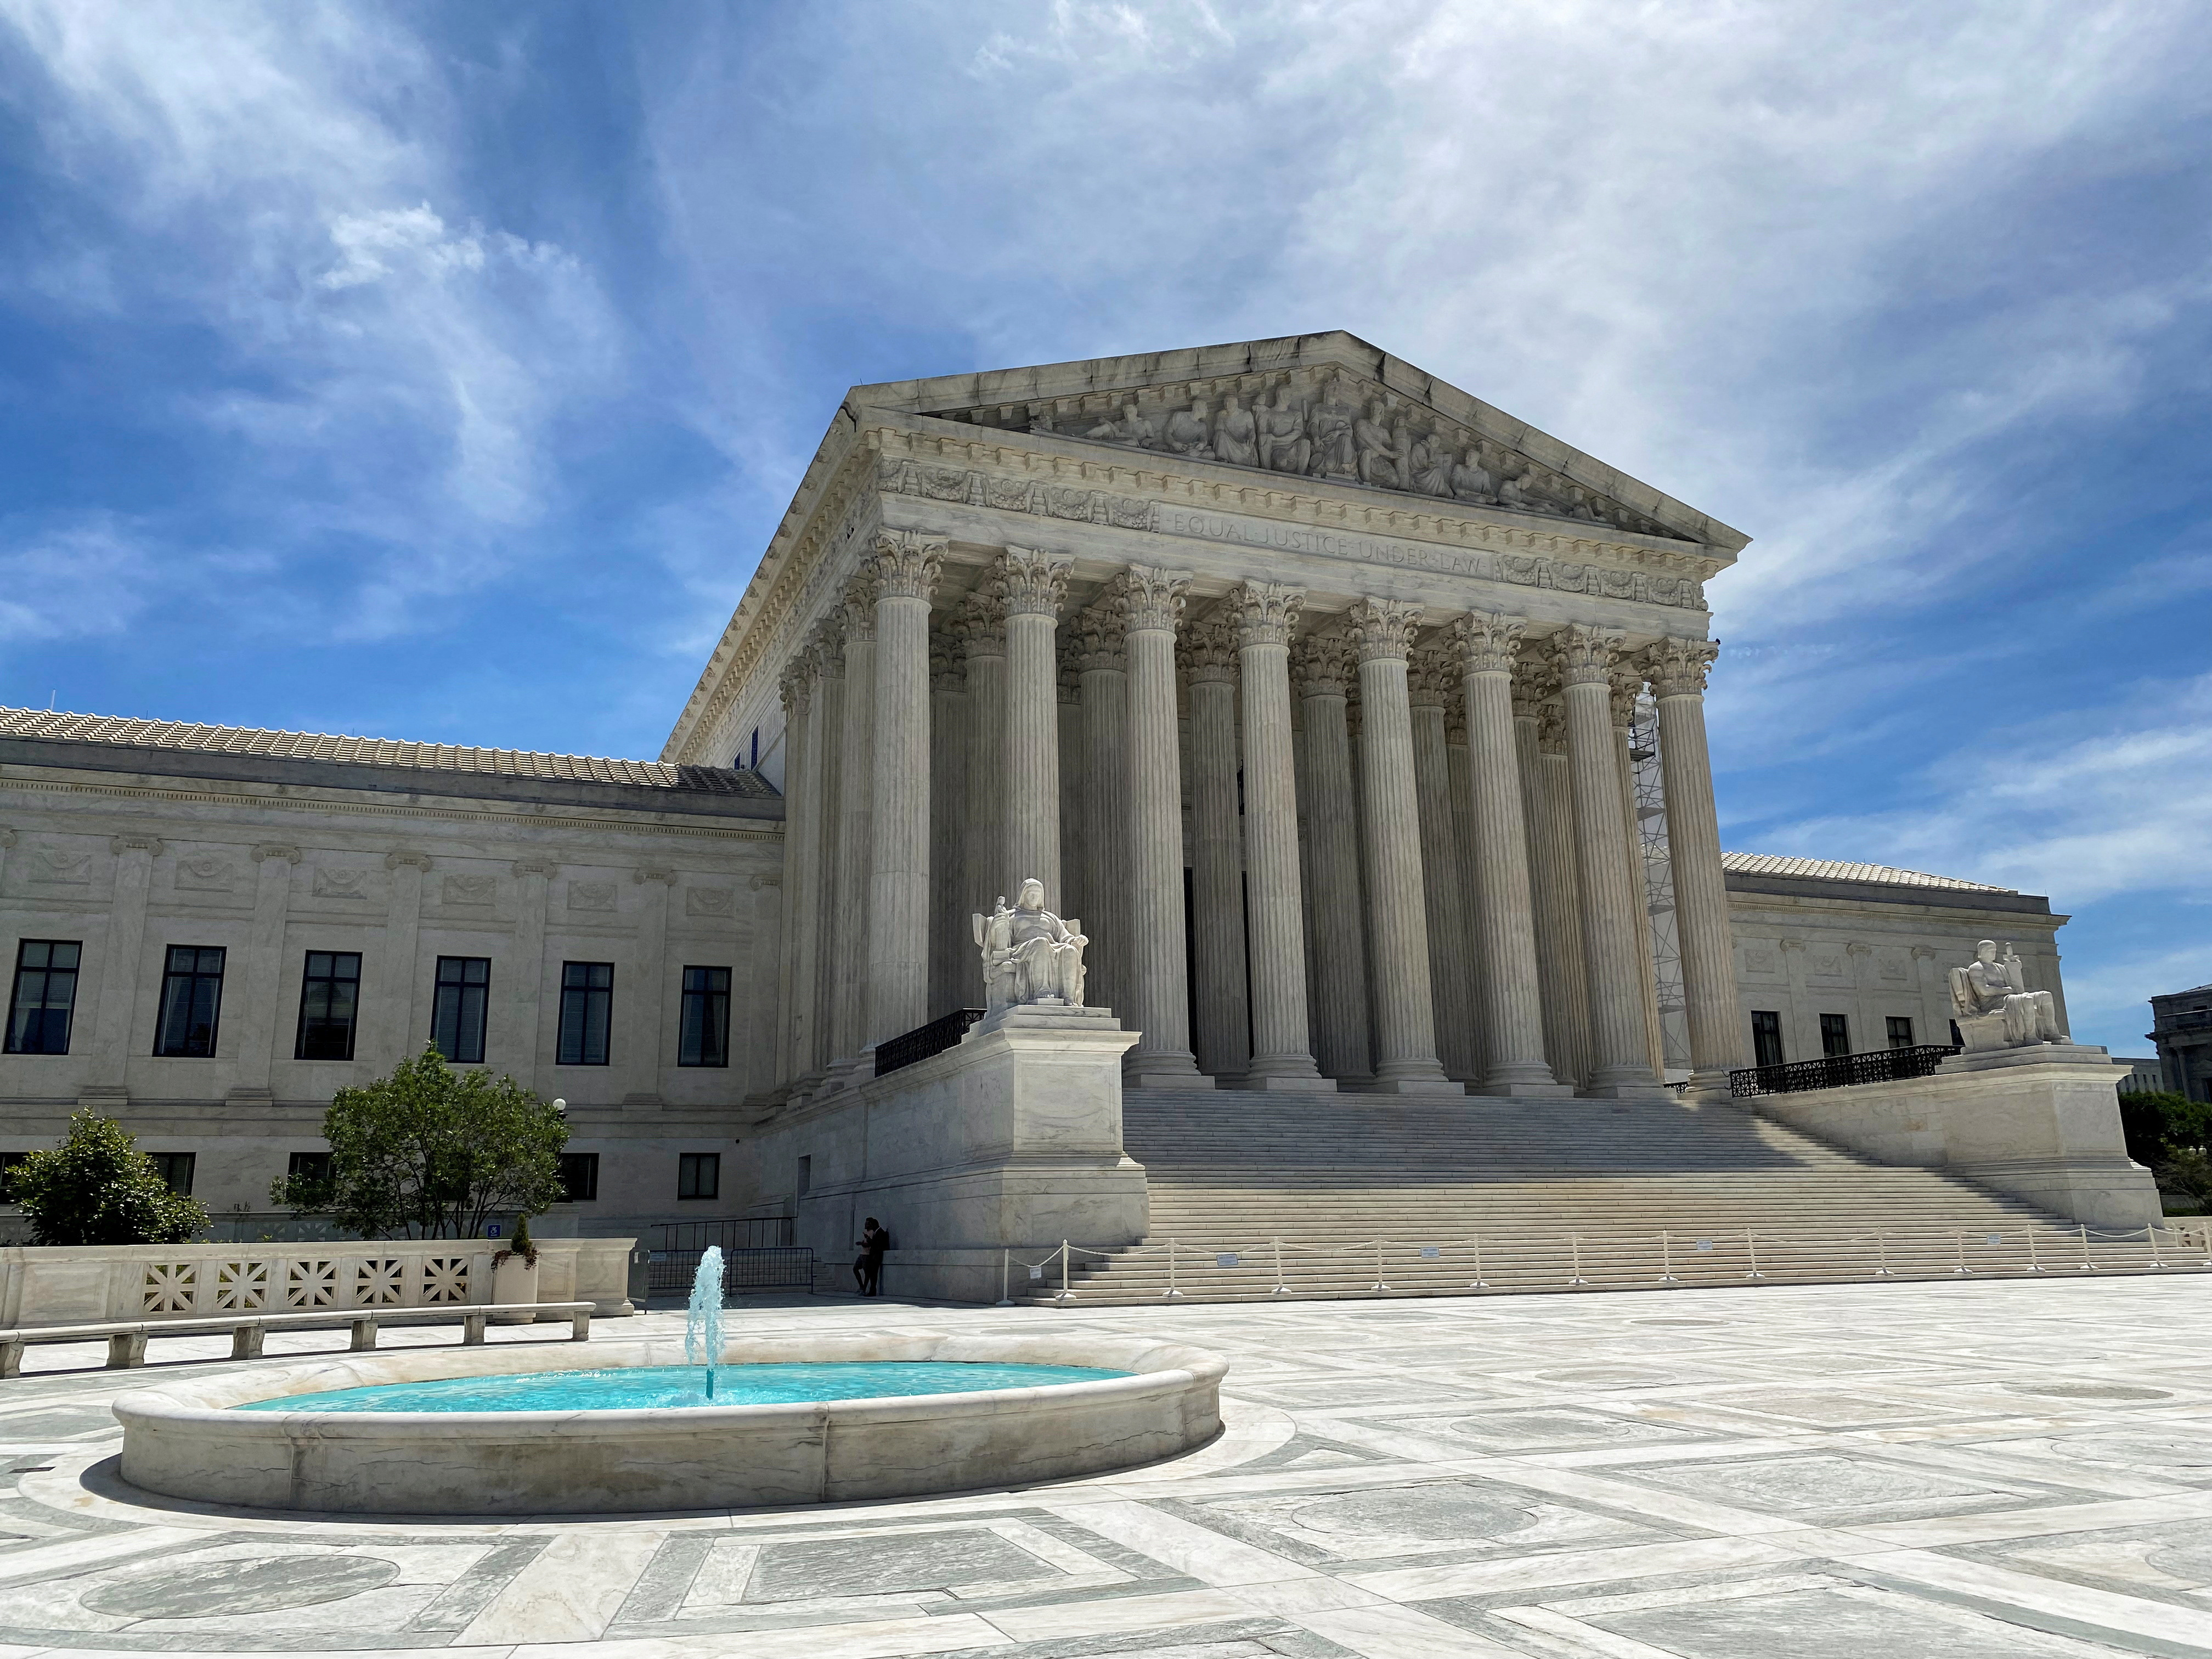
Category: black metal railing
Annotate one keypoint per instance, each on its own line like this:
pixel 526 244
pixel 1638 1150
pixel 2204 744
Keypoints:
pixel 753 1232
pixel 1841 1071
pixel 671 1272
pixel 919 1044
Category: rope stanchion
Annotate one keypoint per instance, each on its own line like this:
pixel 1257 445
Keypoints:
pixel 1005 1266
pixel 1575 1245
pixel 1280 1289
pixel 1958 1243
pixel 2087 1266
pixel 1666 1260
pixel 2034 1262
pixel 1751 1245
pixel 2157 1261
pixel 1063 1270
pixel 1174 1293
pixel 1379 1285
pixel 1478 1283
pixel 1882 1254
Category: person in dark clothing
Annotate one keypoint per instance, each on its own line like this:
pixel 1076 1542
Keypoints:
pixel 873 1241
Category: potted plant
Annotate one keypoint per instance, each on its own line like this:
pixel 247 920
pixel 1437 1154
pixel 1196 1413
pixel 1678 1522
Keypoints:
pixel 514 1275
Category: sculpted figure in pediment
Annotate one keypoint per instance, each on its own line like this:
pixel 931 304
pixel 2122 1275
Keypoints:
pixel 1471 480
pixel 1328 428
pixel 1133 427
pixel 1429 464
pixel 1235 434
pixel 1524 493
pixel 1187 432
pixel 1380 456
pixel 1284 446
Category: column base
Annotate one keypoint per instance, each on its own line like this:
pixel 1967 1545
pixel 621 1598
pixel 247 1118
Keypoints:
pixel 1415 1077
pixel 1646 1091
pixel 1517 1089
pixel 1164 1070
pixel 1285 1082
pixel 1712 1085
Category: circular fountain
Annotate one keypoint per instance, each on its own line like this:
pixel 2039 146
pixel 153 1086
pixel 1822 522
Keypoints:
pixel 711 1423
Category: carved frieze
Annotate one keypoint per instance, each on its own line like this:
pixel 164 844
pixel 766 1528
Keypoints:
pixel 469 889
pixel 708 901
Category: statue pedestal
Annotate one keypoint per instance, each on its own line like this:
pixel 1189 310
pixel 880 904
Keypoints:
pixel 2040 1122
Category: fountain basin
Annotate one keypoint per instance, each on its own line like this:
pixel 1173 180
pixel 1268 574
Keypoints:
pixel 188 1440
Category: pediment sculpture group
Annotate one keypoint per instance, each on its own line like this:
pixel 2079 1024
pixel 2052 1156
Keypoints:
pixel 1333 436
pixel 1030 955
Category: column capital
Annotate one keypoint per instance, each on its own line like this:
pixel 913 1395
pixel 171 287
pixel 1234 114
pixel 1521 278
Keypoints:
pixel 1856 949
pixel 1208 650
pixel 1429 679
pixel 984 621
pixel 767 878
pixel 276 850
pixel 1265 613
pixel 1035 583
pixel 1552 729
pixel 859 602
pixel 119 845
pixel 665 876
pixel 825 647
pixel 1070 679
pixel 546 868
pixel 1534 681
pixel 1486 643
pixel 907 564
pixel 794 684
pixel 406 858
pixel 1586 655
pixel 1455 726
pixel 1102 639
pixel 1152 598
pixel 948 657
pixel 1678 667
pixel 1382 629
pixel 1625 684
pixel 1321 665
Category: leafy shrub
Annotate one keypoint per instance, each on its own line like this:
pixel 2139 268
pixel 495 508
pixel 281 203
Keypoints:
pixel 96 1187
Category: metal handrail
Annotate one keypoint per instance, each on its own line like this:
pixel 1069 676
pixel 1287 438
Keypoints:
pixel 908 1048
pixel 1841 1071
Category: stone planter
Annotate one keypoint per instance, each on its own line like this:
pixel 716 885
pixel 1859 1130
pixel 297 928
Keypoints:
pixel 514 1279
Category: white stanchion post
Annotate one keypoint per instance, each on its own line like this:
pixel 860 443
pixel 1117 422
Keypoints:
pixel 1005 1270
pixel 1666 1259
pixel 1478 1283
pixel 1751 1245
pixel 2156 1260
pixel 1882 1254
pixel 1063 1270
pixel 2034 1261
pixel 1173 1290
pixel 1575 1245
pixel 1379 1284
pixel 2087 1266
pixel 1280 1289
pixel 1958 1243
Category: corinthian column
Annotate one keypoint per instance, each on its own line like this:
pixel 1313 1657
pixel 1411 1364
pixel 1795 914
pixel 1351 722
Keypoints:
pixel 1623 1067
pixel 952 962
pixel 986 861
pixel 905 569
pixel 1323 666
pixel 1678 669
pixel 1157 992
pixel 849 1018
pixel 1034 585
pixel 1513 980
pixel 1281 1059
pixel 1074 833
pixel 1626 685
pixel 1217 854
pixel 1405 1016
pixel 1541 736
pixel 825 824
pixel 1444 905
pixel 1104 668
pixel 797 687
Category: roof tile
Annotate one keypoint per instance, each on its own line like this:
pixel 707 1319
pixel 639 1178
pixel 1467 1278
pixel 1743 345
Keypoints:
pixel 1776 864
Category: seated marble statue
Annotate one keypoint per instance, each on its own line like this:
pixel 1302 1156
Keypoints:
pixel 1030 955
pixel 1187 432
pixel 1284 446
pixel 1471 480
pixel 1237 434
pixel 1994 1007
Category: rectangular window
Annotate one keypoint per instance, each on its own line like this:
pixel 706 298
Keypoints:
pixel 588 1000
pixel 1835 1035
pixel 456 1011
pixel 329 994
pixel 175 1169
pixel 698 1174
pixel 1765 1037
pixel 580 1175
pixel 703 1037
pixel 9 1161
pixel 45 996
pixel 1900 1031
pixel 192 1001
pixel 805 1182
pixel 309 1166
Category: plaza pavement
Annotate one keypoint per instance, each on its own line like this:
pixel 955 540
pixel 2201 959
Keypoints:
pixel 1971 1470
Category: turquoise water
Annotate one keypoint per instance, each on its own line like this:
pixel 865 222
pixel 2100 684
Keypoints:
pixel 663 1388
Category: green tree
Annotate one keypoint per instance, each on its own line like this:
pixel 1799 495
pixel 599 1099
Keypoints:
pixel 96 1187
pixel 430 1152
pixel 2189 1172
pixel 2158 1124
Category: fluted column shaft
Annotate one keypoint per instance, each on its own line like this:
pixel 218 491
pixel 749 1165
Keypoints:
pixel 1678 669
pixel 849 1018
pixel 1405 1016
pixel 1033 585
pixel 986 861
pixel 1443 906
pixel 905 568
pixel 1074 833
pixel 955 980
pixel 1105 804
pixel 1628 684
pixel 1282 1057
pixel 1158 991
pixel 798 713
pixel 1221 1036
pixel 1622 1062
pixel 828 743
pixel 1333 830
pixel 1506 907
pixel 1461 769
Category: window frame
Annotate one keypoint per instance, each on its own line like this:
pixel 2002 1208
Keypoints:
pixel 688 1167
pixel 588 1163
pixel 47 973
pixel 9 1161
pixel 715 1018
pixel 582 1000
pixel 1765 1026
pixel 192 977
pixel 1889 1025
pixel 1835 1028
pixel 308 980
pixel 463 988
pixel 166 1164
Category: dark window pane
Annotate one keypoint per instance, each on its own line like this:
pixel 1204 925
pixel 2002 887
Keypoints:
pixel 1835 1035
pixel 175 1169
pixel 308 1166
pixel 7 1163
pixel 1900 1031
pixel 192 1001
pixel 698 1174
pixel 586 1011
pixel 1766 1037
pixel 703 1032
pixel 457 1008
pixel 328 996
pixel 580 1175
pixel 44 995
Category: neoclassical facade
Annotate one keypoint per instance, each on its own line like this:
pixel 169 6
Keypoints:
pixel 1386 642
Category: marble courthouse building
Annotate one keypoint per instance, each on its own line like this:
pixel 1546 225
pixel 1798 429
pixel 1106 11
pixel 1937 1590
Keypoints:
pixel 1315 689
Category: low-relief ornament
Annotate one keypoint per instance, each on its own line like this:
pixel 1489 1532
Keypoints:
pixel 1064 503
pixel 1487 642
pixel 1152 598
pixel 471 889
pixel 1009 494
pixel 1383 628
pixel 341 883
pixel 206 872
pixel 942 483
pixel 590 896
pixel 1266 613
pixel 707 901
pixel 1129 513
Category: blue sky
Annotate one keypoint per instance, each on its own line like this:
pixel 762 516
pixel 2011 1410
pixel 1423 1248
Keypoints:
pixel 439 372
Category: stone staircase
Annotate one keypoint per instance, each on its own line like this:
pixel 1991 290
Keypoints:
pixel 1259 1196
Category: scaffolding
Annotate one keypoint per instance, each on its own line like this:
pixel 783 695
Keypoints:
pixel 1659 884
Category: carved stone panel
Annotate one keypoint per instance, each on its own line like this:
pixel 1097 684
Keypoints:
pixel 471 889
pixel 590 896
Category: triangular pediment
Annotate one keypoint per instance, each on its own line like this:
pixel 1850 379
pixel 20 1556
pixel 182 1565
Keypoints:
pixel 1326 407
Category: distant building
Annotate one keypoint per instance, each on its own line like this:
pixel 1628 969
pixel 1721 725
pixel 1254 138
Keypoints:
pixel 2148 1074
pixel 2181 1025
